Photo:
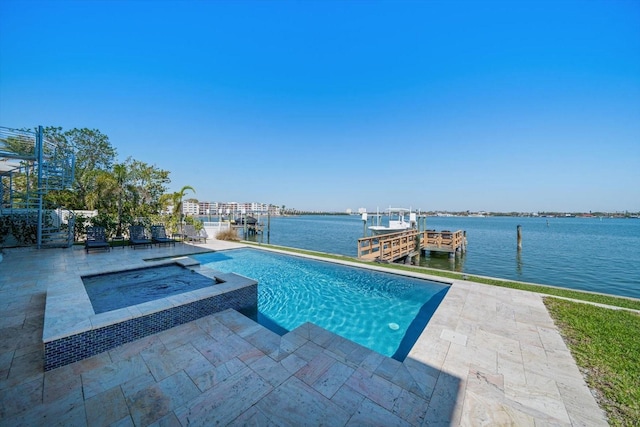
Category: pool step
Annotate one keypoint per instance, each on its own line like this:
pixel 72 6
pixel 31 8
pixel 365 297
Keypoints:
pixel 186 262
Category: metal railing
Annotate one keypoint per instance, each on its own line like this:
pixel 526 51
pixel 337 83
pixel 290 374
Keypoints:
pixel 30 167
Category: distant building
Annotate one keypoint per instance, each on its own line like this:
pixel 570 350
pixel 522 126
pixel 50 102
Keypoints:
pixel 190 208
pixel 194 208
pixel 228 208
pixel 207 208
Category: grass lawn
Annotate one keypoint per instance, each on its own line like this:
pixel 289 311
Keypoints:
pixel 606 345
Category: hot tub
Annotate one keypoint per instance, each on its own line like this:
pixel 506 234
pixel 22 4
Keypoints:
pixel 75 330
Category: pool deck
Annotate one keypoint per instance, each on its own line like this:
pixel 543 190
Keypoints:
pixel 489 356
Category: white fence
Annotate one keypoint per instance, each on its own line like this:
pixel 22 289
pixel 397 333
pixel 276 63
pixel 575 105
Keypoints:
pixel 213 228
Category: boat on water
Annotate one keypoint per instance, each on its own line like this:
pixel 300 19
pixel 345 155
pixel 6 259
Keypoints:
pixel 397 222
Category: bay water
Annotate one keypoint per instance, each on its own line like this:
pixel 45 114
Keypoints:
pixel 591 254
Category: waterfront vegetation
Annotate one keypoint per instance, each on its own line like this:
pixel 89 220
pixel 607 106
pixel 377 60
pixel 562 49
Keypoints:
pixel 606 347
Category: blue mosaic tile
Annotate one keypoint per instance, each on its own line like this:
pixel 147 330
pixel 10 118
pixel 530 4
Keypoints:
pixel 86 344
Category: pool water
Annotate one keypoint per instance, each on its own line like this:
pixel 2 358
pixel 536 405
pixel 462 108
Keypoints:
pixel 112 291
pixel 383 312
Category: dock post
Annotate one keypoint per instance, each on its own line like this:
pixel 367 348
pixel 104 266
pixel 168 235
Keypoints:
pixel 364 224
pixel 244 225
pixel 519 232
pixel 417 250
pixel 269 224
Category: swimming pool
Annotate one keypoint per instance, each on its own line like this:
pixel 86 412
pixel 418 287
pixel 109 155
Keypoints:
pixel 381 311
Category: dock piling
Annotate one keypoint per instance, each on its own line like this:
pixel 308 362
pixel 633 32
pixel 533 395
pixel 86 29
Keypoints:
pixel 364 224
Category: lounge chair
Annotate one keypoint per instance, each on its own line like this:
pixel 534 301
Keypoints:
pixel 159 236
pixel 96 239
pixel 192 235
pixel 138 236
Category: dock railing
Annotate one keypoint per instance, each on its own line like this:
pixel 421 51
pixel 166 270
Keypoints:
pixel 446 240
pixel 393 246
pixel 387 247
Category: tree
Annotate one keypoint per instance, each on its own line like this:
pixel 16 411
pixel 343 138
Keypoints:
pixel 149 183
pixel 177 202
pixel 132 189
pixel 93 153
pixel 120 175
pixel 112 187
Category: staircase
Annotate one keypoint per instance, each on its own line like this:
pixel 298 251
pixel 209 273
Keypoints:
pixel 28 174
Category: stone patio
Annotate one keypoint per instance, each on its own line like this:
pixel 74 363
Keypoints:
pixel 489 356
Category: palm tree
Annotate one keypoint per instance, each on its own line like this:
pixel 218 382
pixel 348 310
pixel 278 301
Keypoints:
pixel 120 174
pixel 177 202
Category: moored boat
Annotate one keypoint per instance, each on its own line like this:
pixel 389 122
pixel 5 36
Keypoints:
pixel 397 222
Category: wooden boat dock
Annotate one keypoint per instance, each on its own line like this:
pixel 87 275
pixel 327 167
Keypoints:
pixel 407 244
pixel 249 229
pixel 249 225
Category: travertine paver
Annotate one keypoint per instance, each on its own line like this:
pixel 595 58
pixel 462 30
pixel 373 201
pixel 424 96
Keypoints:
pixel 509 357
pixel 489 356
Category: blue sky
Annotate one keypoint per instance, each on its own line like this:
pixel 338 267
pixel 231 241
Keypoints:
pixel 329 105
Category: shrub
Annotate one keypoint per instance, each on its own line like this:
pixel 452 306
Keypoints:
pixel 5 226
pixel 107 220
pixel 193 221
pixel 80 227
pixel 22 226
pixel 229 234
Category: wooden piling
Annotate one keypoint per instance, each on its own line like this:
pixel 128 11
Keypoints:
pixel 364 224
pixel 418 250
pixel 244 224
pixel 519 232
